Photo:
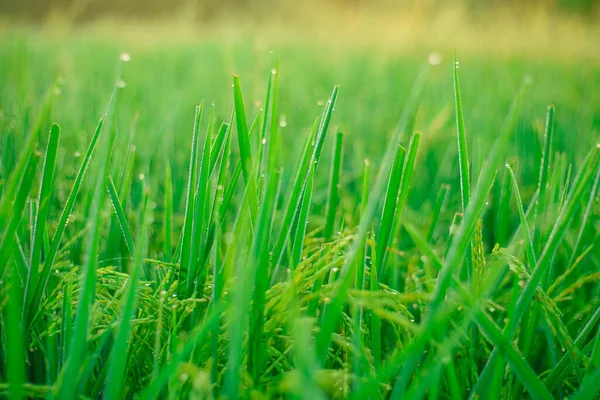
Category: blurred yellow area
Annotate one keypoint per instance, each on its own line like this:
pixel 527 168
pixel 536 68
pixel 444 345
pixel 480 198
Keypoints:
pixel 567 30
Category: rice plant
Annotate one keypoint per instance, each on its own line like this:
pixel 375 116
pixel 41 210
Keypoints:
pixel 245 258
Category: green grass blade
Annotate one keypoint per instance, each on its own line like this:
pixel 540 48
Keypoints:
pixel 44 198
pixel 32 306
pixel 15 359
pixel 519 366
pixel 256 344
pixel 543 263
pixel 360 258
pixel 154 388
pixel 528 236
pixel 586 217
pixel 117 370
pixel 333 310
pixel 188 222
pixel 463 156
pixel 389 208
pixel 200 227
pixel 18 204
pixel 438 208
pixel 11 187
pixel 459 245
pixel 244 143
pixel 168 214
pixel 300 233
pixel 332 194
pixel 68 388
pixel 121 218
pixel 545 166
pixel 295 202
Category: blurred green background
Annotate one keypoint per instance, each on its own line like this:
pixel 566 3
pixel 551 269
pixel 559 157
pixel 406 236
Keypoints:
pixel 85 10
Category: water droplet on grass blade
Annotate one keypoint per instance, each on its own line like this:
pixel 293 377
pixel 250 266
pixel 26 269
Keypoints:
pixel 125 57
pixel 121 83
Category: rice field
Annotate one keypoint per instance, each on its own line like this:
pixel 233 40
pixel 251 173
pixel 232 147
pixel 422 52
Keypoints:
pixel 215 220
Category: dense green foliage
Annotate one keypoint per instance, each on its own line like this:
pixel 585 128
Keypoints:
pixel 422 230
